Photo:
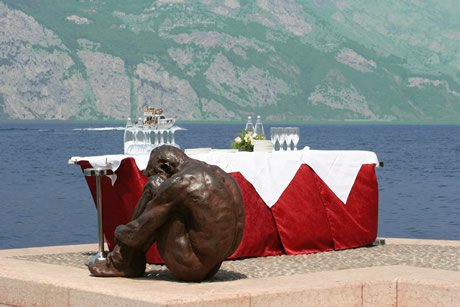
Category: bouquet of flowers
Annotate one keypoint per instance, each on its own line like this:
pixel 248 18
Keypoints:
pixel 244 140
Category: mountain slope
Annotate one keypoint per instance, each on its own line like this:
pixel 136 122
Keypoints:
pixel 283 59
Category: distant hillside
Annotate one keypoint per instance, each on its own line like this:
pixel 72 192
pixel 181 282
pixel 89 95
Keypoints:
pixel 319 60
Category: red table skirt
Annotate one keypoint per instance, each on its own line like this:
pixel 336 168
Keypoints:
pixel 307 218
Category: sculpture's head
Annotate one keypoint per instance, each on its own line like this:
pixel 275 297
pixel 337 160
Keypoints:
pixel 165 161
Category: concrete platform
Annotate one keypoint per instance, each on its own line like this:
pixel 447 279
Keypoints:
pixel 403 272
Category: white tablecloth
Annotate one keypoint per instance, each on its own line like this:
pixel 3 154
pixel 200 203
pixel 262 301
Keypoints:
pixel 270 173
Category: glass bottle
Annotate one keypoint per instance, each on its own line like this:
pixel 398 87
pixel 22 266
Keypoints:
pixel 259 128
pixel 249 125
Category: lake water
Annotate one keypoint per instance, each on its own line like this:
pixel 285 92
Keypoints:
pixel 45 201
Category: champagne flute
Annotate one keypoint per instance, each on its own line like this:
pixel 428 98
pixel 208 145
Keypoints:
pixel 295 137
pixel 173 141
pixel 162 140
pixel 289 135
pixel 157 139
pixel 282 138
pixel 274 135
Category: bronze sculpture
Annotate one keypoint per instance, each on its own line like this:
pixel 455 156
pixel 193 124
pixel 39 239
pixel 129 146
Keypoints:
pixel 194 211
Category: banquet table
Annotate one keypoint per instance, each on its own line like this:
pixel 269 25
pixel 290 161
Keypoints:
pixel 296 202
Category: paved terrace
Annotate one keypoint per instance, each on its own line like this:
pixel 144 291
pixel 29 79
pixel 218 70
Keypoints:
pixel 403 272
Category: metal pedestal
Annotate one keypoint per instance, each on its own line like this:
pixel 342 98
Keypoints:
pixel 98 172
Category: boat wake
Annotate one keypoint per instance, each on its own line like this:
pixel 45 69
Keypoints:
pixel 115 129
pixel 99 129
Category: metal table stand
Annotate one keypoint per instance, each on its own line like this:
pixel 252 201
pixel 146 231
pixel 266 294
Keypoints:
pixel 98 172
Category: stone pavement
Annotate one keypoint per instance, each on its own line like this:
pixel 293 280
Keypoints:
pixel 401 272
pixel 426 256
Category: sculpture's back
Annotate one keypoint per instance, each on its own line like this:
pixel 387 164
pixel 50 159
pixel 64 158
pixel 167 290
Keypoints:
pixel 206 223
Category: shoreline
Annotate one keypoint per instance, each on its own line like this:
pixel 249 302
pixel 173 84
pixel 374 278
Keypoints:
pixel 242 122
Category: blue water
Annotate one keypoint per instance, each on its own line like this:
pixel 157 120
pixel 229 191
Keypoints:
pixel 44 201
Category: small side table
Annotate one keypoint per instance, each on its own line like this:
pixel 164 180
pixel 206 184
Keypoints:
pixel 98 172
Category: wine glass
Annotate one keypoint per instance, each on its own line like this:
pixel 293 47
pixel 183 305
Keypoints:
pixel 295 136
pixel 282 138
pixel 157 139
pixel 289 136
pixel 140 140
pixel 173 141
pixel 274 135
pixel 162 140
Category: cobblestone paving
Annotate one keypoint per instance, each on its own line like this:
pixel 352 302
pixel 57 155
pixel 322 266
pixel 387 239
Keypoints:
pixel 427 256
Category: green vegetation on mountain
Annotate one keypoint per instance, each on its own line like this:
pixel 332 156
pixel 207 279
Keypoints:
pixel 321 60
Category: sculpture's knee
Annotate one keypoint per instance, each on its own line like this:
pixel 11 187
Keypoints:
pixel 126 235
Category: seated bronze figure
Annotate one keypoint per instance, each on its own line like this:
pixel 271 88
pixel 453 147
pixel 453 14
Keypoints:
pixel 194 211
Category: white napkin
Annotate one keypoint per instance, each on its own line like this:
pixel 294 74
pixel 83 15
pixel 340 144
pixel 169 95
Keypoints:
pixel 338 169
pixel 276 172
pixel 109 161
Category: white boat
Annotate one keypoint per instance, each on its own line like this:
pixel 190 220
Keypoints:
pixel 154 118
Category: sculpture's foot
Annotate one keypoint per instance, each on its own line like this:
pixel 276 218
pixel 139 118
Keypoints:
pixel 105 268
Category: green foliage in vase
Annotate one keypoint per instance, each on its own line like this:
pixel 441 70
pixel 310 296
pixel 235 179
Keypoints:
pixel 244 140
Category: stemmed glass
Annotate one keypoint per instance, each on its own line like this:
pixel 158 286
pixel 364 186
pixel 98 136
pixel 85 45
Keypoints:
pixel 141 139
pixel 274 135
pixel 295 136
pixel 162 140
pixel 289 136
pixel 157 139
pixel 173 141
pixel 282 138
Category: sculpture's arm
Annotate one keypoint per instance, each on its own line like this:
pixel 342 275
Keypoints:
pixel 154 212
pixel 150 191
pixel 143 228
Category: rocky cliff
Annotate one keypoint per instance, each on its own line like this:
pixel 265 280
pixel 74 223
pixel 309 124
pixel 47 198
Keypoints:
pixel 320 60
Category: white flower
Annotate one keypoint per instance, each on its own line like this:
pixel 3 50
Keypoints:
pixel 248 138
